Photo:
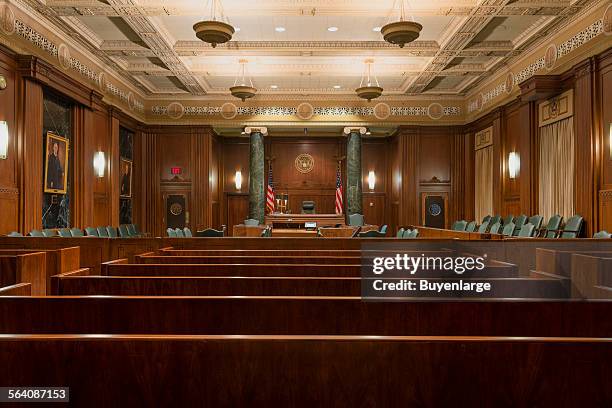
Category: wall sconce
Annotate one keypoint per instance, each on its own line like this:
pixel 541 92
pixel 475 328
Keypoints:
pixel 2 83
pixel 4 139
pixel 371 180
pixel 238 179
pixel 99 163
pixel 514 164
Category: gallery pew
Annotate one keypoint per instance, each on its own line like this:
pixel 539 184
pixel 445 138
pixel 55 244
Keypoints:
pixel 312 371
pixel 206 286
pixel 591 276
pixel 283 286
pixel 256 252
pixel 287 270
pixel 25 268
pixel 56 279
pixel 302 315
pixel 58 260
pixel 249 259
pixel 19 289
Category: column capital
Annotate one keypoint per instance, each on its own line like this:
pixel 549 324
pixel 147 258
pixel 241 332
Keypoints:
pixel 349 130
pixel 263 130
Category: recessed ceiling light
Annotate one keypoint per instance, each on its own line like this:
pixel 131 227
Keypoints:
pixel 236 29
pixel 274 86
pixel 280 29
pixel 332 29
pixel 377 29
pixel 337 87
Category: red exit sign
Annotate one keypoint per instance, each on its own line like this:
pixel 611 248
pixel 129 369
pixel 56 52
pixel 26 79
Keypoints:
pixel 176 171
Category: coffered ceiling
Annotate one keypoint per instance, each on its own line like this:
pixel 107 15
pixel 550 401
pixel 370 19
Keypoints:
pixel 152 43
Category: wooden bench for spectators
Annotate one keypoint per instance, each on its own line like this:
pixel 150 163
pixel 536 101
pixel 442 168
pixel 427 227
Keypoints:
pixel 255 252
pixel 592 276
pixel 206 286
pixel 58 260
pixel 20 289
pixel 25 268
pixel 251 259
pixel 284 286
pixel 309 371
pixel 302 315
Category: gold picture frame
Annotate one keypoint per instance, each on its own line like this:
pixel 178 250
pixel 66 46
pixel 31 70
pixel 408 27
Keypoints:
pixel 125 182
pixel 56 164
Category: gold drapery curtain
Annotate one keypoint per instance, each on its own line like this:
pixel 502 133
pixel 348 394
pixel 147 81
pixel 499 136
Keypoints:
pixel 556 169
pixel 484 183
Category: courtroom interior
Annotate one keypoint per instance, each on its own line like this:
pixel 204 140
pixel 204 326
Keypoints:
pixel 194 194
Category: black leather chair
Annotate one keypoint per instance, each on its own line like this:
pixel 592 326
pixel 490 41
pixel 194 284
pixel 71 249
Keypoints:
pixel 308 207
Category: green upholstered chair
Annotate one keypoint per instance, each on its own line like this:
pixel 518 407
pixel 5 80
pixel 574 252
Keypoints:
pixel 536 221
pixel 132 230
pixel 15 234
pixel 187 232
pixel 112 231
pixel 518 224
pixel 179 233
pixel 471 227
pixel 400 233
pixel 171 232
pixel 49 232
pixel 371 234
pixel 508 229
pixel 496 228
pixel 527 231
pixel 495 219
pixel 459 225
pixel 356 220
pixel 251 222
pixel 552 227
pixel 123 231
pixel 383 229
pixel 406 233
pixel 76 232
pixel 483 227
pixel 602 234
pixel 266 233
pixel 36 233
pixel 209 232
pixel 486 218
pixel 64 233
pixel 508 219
pixel 102 232
pixel 572 227
pixel 91 232
pixel 413 234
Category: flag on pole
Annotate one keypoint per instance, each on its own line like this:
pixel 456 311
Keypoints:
pixel 339 204
pixel 270 198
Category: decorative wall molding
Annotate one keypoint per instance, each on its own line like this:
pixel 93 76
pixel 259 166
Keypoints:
pixel 557 108
pixel 484 138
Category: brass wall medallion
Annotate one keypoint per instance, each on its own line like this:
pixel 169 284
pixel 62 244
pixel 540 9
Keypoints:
pixel 176 209
pixel 304 163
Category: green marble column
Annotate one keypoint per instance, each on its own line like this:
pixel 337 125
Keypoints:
pixel 353 173
pixel 257 198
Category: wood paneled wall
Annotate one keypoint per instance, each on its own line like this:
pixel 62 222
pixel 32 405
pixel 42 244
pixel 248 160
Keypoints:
pixel 415 161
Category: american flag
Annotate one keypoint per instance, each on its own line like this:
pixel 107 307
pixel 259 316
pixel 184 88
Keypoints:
pixel 270 198
pixel 339 206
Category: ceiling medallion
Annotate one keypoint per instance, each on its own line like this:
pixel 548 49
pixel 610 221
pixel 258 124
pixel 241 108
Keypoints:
pixel 304 163
pixel 401 32
pixel 213 31
pixel 241 89
pixel 367 89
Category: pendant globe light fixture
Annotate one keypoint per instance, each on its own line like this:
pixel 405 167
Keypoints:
pixel 243 87
pixel 214 31
pixel 401 32
pixel 369 88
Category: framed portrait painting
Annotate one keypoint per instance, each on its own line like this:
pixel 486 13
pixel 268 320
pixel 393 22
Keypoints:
pixel 56 164
pixel 126 178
